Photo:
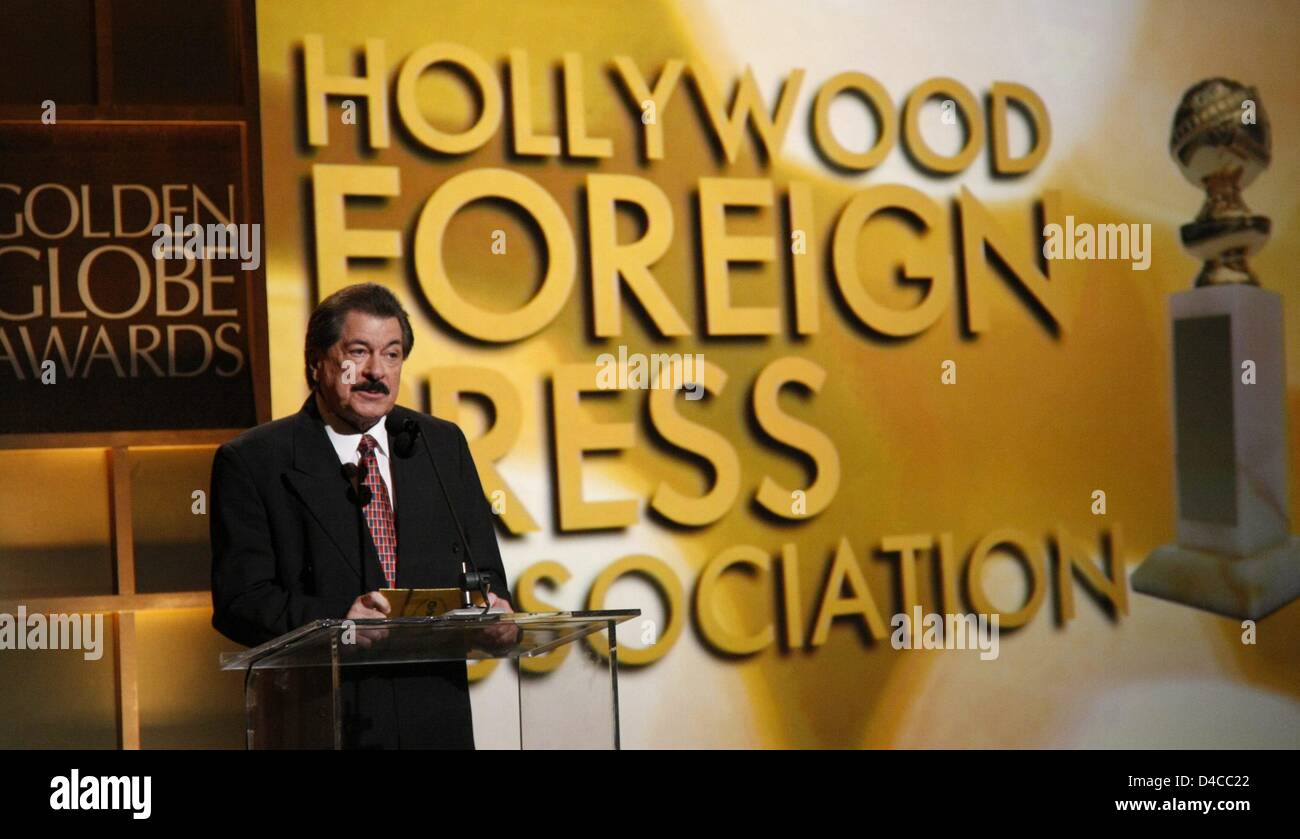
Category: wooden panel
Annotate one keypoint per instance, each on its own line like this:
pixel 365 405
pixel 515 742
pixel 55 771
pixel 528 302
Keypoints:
pixel 48 56
pixel 111 603
pixel 175 52
pixel 119 480
pixel 128 686
pixel 100 439
pixel 104 50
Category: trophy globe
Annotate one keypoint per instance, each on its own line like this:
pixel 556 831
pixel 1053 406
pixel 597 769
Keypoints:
pixel 1221 140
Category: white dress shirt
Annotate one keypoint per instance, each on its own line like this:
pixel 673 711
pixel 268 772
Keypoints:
pixel 347 447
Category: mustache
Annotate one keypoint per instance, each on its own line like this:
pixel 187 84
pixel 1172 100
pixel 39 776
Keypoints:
pixel 373 386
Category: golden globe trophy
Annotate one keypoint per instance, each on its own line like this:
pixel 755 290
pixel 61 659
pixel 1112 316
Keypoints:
pixel 1235 554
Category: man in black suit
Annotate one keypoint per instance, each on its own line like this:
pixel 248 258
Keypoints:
pixel 298 536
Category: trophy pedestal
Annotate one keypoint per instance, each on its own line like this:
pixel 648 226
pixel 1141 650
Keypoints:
pixel 1247 588
pixel 1235 554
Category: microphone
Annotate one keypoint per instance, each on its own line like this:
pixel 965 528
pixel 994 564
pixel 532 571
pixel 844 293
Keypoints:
pixel 404 446
pixel 358 492
pixel 404 440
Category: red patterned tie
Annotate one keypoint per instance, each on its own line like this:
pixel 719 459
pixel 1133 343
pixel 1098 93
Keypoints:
pixel 379 512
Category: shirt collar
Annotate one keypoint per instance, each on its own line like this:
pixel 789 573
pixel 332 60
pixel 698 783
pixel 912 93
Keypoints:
pixel 346 444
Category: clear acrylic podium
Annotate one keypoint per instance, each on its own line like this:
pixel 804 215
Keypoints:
pixel 292 684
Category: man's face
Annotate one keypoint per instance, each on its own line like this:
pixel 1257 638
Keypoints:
pixel 358 378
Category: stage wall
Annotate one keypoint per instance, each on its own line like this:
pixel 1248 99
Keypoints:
pixel 832 467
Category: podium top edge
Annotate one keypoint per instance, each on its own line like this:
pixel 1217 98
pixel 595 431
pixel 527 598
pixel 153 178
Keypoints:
pixel 249 657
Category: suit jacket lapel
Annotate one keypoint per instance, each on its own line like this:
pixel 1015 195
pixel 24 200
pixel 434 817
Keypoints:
pixel 418 508
pixel 317 479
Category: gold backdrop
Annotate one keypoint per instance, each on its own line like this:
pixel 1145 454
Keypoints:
pixel 1061 386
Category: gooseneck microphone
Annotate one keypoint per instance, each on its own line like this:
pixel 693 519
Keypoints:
pixel 404 446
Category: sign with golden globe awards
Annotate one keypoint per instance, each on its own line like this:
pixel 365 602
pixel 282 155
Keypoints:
pixel 118 310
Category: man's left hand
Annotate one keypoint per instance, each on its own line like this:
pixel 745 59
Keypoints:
pixel 501 634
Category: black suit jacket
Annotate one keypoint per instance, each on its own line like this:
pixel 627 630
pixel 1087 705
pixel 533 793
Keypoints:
pixel 290 547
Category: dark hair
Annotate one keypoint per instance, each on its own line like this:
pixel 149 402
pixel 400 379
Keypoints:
pixel 326 322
